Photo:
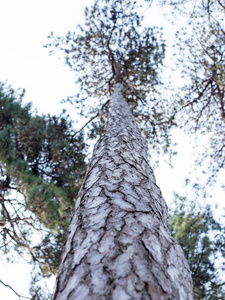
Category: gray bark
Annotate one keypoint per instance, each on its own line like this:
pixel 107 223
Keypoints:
pixel 119 245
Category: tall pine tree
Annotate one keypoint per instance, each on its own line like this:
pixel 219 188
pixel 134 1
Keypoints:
pixel 119 245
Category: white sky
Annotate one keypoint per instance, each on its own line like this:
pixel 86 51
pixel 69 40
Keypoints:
pixel 24 27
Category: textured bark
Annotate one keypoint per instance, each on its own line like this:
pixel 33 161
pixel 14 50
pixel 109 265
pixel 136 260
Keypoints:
pixel 119 245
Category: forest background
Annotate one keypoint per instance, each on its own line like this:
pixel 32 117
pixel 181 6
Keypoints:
pixel 26 64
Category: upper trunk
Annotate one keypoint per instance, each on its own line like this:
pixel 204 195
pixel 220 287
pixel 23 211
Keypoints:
pixel 119 245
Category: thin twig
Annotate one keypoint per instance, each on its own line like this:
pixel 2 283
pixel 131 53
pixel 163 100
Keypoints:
pixel 89 121
pixel 147 7
pixel 85 125
pixel 219 2
pixel 18 295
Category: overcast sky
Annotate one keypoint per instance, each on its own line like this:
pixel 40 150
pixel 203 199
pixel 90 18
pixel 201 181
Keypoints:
pixel 25 63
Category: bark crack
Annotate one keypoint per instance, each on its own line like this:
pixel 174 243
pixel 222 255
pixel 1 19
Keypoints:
pixel 118 244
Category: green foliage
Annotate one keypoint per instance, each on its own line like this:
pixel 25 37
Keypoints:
pixel 112 46
pixel 42 165
pixel 200 102
pixel 203 240
pixel 112 34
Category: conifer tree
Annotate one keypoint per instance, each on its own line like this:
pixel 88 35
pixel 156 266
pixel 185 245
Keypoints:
pixel 119 245
pixel 200 101
pixel 38 183
pixel 113 46
pixel 201 237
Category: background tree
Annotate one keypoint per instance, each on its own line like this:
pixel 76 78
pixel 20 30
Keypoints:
pixel 203 240
pixel 200 104
pixel 199 56
pixel 42 164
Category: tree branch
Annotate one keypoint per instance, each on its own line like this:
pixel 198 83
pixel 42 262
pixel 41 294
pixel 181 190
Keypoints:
pixel 18 295
pixel 219 2
pixel 89 121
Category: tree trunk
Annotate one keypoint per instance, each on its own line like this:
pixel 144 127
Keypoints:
pixel 119 245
